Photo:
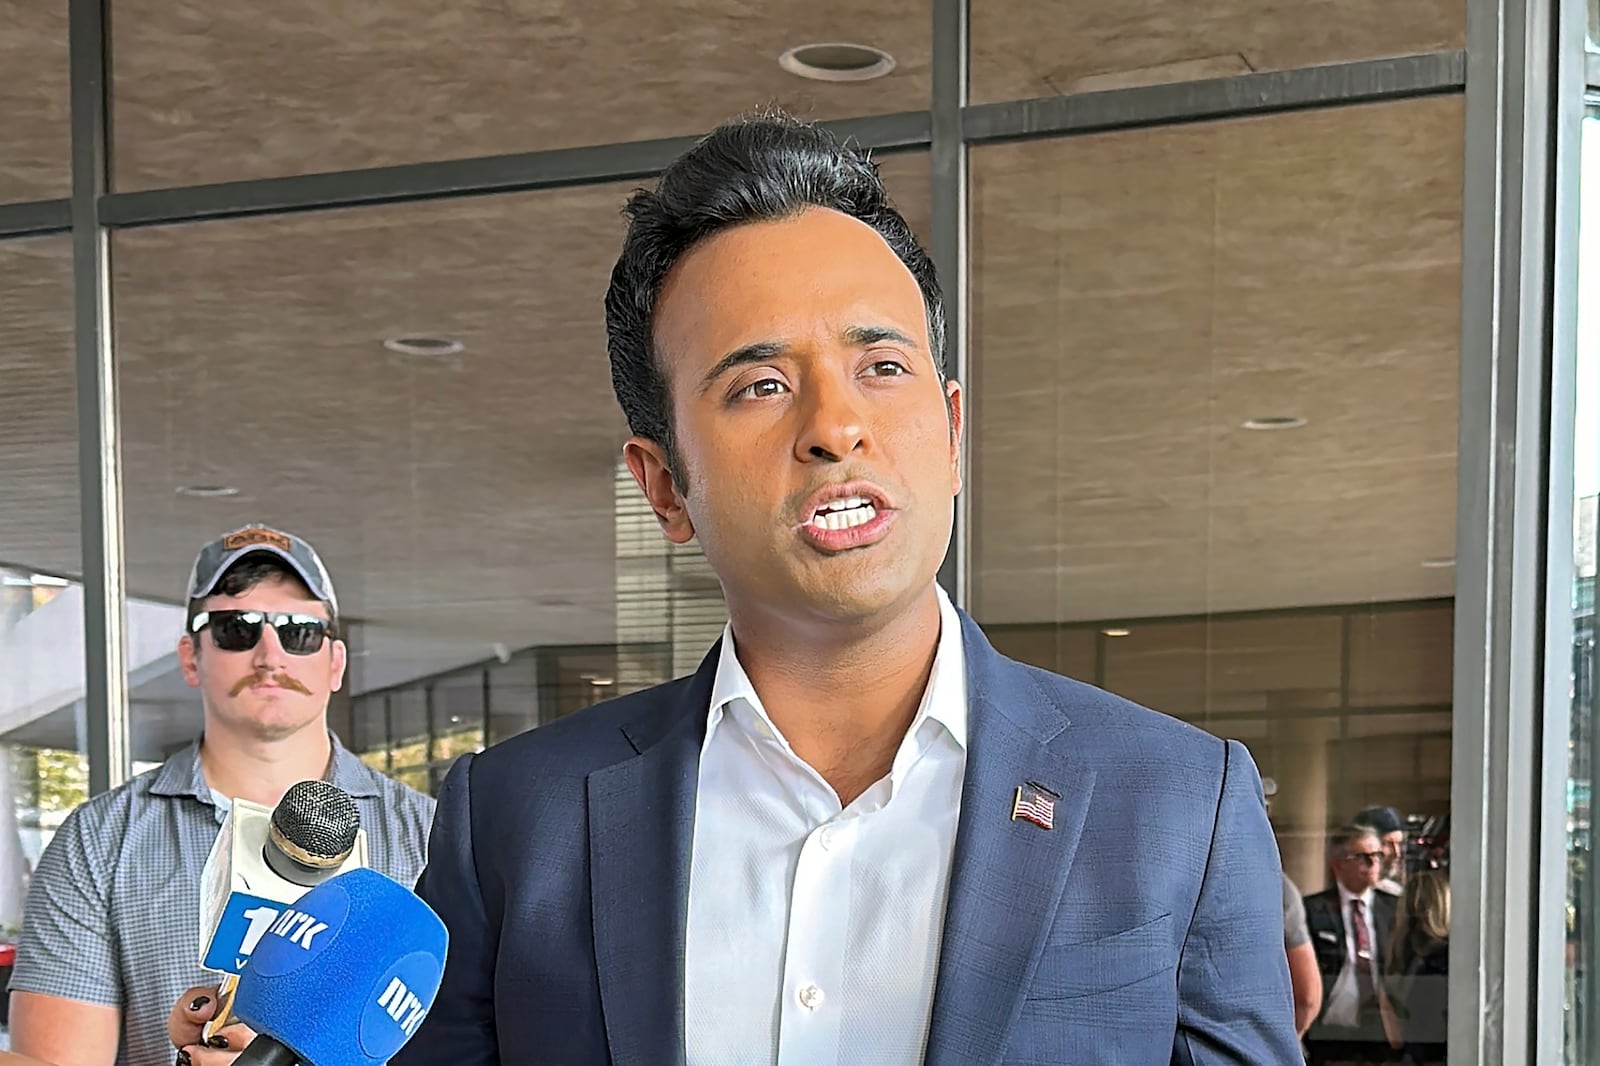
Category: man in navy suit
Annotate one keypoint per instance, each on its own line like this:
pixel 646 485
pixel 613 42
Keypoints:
pixel 857 834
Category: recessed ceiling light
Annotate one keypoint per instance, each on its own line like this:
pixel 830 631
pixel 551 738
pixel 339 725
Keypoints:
pixel 423 344
pixel 208 492
pixel 602 682
pixel 837 61
pixel 1267 423
pixel 1117 632
pixel 1443 562
pixel 48 581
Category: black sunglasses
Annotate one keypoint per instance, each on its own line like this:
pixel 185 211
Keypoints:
pixel 299 634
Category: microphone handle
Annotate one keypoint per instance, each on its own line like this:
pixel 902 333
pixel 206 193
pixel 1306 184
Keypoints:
pixel 265 1051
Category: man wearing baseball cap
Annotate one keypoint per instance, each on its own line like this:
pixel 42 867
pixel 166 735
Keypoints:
pixel 1391 830
pixel 110 938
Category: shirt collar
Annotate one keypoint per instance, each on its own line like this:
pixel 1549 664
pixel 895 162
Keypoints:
pixel 943 701
pixel 181 774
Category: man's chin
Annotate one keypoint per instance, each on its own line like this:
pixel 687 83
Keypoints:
pixel 274 719
pixel 872 597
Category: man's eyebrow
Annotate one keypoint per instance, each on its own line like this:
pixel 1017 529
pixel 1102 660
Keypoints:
pixel 759 352
pixel 869 335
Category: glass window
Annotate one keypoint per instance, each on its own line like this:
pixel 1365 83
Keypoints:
pixel 43 770
pixel 421 391
pixel 1214 445
pixel 206 94
pixel 1583 936
pixel 1022 50
pixel 35 127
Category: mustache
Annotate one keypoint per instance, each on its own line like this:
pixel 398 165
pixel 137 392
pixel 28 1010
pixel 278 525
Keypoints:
pixel 281 680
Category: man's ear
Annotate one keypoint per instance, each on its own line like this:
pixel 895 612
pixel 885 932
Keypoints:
pixel 647 462
pixel 188 660
pixel 954 398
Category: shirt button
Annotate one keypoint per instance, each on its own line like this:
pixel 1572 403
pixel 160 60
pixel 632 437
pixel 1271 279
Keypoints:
pixel 825 838
pixel 811 997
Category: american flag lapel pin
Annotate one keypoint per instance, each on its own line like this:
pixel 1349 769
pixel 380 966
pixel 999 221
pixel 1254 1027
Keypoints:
pixel 1035 803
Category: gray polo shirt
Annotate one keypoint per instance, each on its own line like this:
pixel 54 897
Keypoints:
pixel 1295 929
pixel 113 911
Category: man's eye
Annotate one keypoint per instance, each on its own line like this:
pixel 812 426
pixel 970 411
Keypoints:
pixel 760 390
pixel 887 368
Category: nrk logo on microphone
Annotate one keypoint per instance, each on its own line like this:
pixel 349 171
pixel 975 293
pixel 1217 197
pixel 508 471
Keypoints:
pixel 246 919
pixel 398 1003
pixel 300 931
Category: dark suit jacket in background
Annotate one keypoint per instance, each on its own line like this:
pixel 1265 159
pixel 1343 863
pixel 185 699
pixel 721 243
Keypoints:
pixel 1146 927
pixel 1325 919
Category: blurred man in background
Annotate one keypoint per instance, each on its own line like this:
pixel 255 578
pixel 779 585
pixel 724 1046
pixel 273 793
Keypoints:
pixel 1391 831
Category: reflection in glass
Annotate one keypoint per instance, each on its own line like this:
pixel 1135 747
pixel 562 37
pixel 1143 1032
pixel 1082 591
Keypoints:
pixel 43 771
pixel 1583 924
pixel 1214 448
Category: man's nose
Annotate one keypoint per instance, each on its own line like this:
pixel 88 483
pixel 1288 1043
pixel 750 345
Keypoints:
pixel 835 424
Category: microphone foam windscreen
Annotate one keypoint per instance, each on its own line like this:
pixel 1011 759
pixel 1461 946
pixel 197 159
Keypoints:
pixel 346 974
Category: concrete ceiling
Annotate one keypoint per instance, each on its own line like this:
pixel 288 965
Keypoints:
pixel 206 92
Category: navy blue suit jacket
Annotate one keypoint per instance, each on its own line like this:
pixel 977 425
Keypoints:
pixel 1145 927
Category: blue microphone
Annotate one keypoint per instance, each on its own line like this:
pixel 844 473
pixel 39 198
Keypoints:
pixel 344 977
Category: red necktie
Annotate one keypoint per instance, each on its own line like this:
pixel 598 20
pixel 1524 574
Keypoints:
pixel 1364 982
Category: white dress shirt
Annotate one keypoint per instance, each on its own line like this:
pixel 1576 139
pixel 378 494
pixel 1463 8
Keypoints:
pixel 814 931
pixel 1344 1001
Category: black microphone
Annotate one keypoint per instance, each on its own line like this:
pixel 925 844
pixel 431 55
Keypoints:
pixel 312 833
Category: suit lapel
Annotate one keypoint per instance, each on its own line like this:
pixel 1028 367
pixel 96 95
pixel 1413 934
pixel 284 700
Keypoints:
pixel 1007 874
pixel 641 823
pixel 1335 907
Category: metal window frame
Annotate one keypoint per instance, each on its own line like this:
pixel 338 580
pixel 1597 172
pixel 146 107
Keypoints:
pixel 1513 557
pixel 947 158
pixel 99 444
pixel 1505 595
pixel 39 218
pixel 950 125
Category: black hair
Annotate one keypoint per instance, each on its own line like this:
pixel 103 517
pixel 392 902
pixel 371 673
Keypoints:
pixel 762 167
pixel 246 574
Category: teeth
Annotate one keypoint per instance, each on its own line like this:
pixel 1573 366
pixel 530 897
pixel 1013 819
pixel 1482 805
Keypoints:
pixel 858 515
pixel 849 503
